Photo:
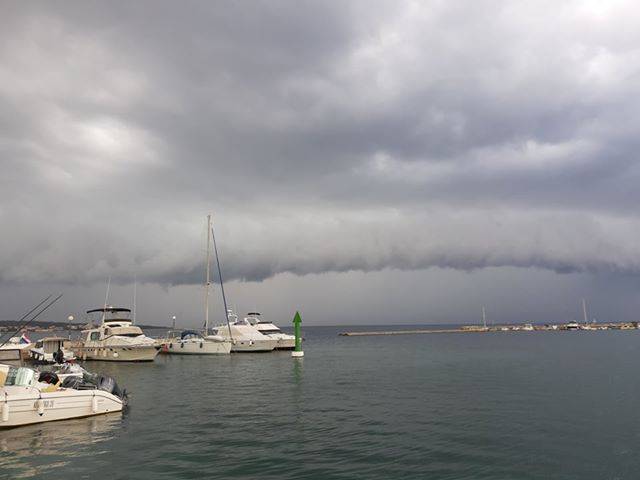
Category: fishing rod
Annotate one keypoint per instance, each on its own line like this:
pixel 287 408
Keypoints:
pixel 42 310
pixel 26 315
pixel 224 299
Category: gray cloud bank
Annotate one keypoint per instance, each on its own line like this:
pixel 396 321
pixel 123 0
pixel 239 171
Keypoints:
pixel 324 136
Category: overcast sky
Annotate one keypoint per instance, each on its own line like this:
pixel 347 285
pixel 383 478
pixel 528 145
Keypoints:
pixel 364 161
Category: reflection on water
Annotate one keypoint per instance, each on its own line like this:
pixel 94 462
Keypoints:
pixel 21 448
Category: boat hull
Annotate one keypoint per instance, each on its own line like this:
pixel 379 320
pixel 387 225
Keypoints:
pixel 177 347
pixel 32 406
pixel 286 343
pixel 120 354
pixel 247 346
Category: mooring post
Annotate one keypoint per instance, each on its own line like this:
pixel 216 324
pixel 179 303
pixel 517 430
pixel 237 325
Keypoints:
pixel 297 351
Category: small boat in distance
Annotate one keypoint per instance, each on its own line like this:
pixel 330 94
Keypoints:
pixel 51 350
pixel 284 340
pixel 572 325
pixel 116 339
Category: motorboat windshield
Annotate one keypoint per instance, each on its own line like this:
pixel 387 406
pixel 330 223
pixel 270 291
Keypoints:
pixel 20 377
pixel 190 334
pixel 111 314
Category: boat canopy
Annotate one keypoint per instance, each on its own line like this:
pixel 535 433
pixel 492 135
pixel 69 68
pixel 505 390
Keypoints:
pixel 110 309
pixel 253 314
pixel 190 333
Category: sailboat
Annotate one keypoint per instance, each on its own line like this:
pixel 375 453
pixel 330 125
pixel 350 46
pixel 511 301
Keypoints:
pixel 194 342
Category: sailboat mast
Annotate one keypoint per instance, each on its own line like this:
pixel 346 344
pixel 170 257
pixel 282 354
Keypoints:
pixel 224 298
pixel 584 311
pixel 484 318
pixel 135 284
pixel 106 299
pixel 206 285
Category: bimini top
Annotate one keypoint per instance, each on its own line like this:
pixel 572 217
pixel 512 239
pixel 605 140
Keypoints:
pixel 253 314
pixel 109 309
pixel 190 333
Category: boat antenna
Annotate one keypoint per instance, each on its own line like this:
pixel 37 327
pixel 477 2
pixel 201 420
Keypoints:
pixel 135 281
pixel 224 299
pixel 42 310
pixel 106 299
pixel 207 280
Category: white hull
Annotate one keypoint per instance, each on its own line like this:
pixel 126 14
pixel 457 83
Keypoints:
pixel 266 345
pixel 146 353
pixel 37 355
pixel 286 344
pixel 178 347
pixel 24 406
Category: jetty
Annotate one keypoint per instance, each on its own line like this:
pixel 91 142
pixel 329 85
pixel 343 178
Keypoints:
pixel 527 327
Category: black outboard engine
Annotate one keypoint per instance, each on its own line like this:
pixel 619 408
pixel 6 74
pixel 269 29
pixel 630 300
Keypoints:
pixel 108 384
pixel 72 382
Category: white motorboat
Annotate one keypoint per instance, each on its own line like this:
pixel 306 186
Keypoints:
pixel 572 325
pixel 117 339
pixel 244 337
pixel 284 340
pixel 51 350
pixel 192 342
pixel 24 399
pixel 15 350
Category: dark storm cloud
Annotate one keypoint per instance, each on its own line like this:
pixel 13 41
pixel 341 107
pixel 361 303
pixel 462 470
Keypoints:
pixel 325 136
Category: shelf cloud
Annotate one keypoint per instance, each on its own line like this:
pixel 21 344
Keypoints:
pixel 324 137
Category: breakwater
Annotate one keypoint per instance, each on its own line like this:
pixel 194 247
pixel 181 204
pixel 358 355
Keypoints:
pixel 572 326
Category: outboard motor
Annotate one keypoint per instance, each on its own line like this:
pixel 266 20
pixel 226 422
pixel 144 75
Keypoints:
pixel 72 382
pixel 108 384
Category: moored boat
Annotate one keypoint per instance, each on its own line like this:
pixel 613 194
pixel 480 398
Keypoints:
pixel 116 339
pixel 15 350
pixel 51 350
pixel 244 337
pixel 193 342
pixel 27 397
pixel 269 329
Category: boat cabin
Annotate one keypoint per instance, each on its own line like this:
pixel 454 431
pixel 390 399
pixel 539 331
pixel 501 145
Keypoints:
pixel 50 344
pixel 115 321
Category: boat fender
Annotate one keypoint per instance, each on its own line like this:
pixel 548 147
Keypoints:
pixel 115 354
pixel 94 404
pixel 5 409
pixel 40 406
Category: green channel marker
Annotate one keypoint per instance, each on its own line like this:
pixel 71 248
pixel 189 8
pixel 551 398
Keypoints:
pixel 297 351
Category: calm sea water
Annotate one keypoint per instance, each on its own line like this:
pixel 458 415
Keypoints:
pixel 520 405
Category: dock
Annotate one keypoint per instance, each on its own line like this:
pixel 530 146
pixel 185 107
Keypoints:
pixel 500 328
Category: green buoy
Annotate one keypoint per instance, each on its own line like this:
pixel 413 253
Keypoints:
pixel 297 351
